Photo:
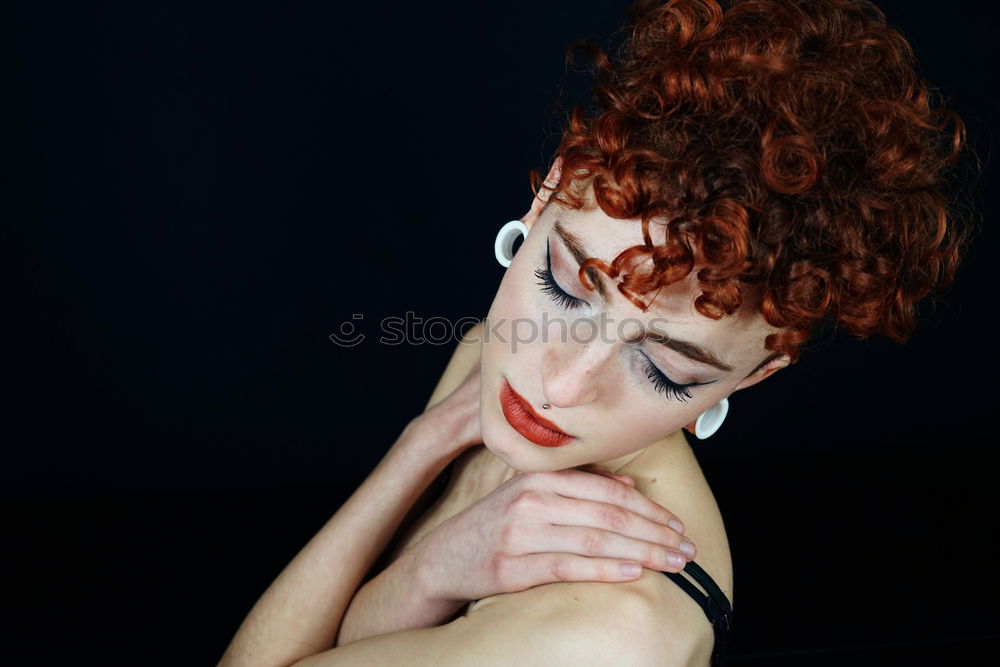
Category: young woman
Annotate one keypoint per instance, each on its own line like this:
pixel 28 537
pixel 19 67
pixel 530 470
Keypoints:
pixel 753 171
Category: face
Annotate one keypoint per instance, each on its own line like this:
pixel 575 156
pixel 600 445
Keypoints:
pixel 617 379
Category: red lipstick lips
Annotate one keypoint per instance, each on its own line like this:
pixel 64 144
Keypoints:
pixel 527 422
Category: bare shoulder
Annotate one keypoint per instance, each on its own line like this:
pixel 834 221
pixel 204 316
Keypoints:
pixel 587 624
pixel 466 355
pixel 641 622
pixel 675 481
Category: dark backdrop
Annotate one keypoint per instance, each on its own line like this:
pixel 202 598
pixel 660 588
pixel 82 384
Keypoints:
pixel 201 192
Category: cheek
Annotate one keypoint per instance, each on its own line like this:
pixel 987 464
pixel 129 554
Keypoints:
pixel 513 318
pixel 646 422
pixel 640 414
pixel 514 297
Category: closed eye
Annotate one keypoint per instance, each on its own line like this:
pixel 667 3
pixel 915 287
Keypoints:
pixel 666 386
pixel 551 287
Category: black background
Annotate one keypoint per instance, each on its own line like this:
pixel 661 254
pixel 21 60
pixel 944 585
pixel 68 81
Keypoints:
pixel 202 192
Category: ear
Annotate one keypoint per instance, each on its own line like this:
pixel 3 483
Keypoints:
pixel 542 198
pixel 764 371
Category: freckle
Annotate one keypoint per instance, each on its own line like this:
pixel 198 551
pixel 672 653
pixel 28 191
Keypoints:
pixel 652 481
pixel 576 598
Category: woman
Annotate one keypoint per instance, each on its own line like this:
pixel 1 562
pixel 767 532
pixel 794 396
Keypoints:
pixel 754 170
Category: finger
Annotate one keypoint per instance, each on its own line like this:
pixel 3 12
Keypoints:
pixel 573 483
pixel 520 572
pixel 589 514
pixel 596 543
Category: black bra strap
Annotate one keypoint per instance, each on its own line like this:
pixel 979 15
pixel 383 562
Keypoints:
pixel 716 605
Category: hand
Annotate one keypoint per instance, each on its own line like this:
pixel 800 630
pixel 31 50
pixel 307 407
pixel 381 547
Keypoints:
pixel 453 423
pixel 543 527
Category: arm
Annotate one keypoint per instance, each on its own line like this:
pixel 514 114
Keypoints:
pixel 647 622
pixel 299 614
pixel 533 529
pixel 394 600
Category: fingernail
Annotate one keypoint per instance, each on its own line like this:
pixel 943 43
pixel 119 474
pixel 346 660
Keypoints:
pixel 631 569
pixel 687 548
pixel 676 525
pixel 675 559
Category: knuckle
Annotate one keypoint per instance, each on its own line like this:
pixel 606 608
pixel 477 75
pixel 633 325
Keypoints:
pixel 618 492
pixel 526 500
pixel 669 537
pixel 509 535
pixel 594 541
pixel 615 517
pixel 512 537
pixel 499 567
pixel 656 556
pixel 560 568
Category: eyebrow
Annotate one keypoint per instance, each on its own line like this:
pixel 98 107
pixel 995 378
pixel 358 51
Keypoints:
pixel 691 350
pixel 575 247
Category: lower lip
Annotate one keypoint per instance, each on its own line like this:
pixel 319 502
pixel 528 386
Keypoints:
pixel 524 423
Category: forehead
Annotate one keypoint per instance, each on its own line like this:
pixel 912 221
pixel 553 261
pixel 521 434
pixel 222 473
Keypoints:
pixel 738 338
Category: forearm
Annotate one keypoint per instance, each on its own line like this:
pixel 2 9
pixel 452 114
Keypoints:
pixel 395 600
pixel 300 612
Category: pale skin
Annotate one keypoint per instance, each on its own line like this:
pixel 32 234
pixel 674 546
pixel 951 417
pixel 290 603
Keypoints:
pixel 534 535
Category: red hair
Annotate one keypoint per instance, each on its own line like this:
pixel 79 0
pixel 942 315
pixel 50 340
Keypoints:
pixel 786 148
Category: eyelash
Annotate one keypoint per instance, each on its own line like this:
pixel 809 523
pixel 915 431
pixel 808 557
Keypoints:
pixel 661 383
pixel 550 287
pixel 556 293
pixel 665 385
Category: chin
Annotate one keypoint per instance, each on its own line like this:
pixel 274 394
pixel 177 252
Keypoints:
pixel 498 443
pixel 520 454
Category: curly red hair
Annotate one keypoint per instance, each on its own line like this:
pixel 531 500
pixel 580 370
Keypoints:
pixel 787 149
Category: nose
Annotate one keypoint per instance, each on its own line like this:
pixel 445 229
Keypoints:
pixel 572 371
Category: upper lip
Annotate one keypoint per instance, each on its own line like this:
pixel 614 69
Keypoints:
pixel 531 411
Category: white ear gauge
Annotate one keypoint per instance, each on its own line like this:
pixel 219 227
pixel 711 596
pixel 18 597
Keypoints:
pixel 710 420
pixel 503 247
